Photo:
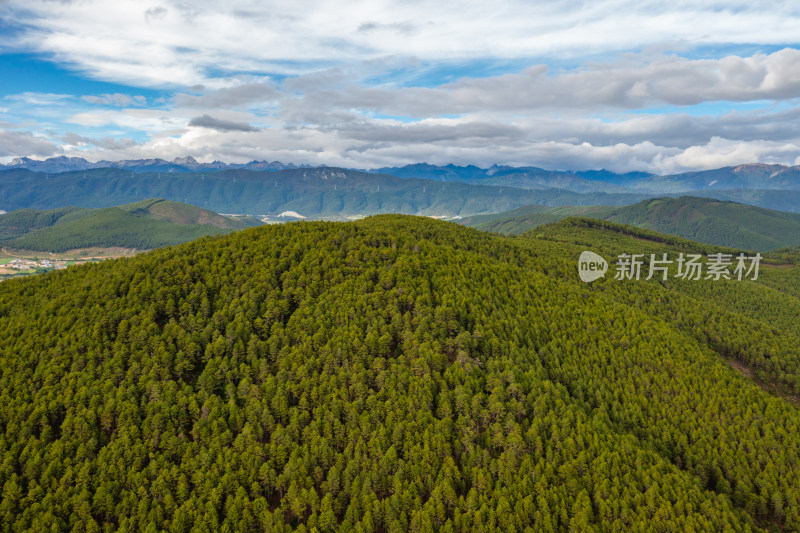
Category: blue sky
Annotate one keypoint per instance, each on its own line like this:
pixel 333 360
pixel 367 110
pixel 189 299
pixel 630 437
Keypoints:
pixel 564 84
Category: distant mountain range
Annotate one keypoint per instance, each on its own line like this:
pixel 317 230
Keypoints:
pixel 503 176
pixel 143 225
pixel 748 176
pixel 701 219
pixel 313 192
pixel 269 188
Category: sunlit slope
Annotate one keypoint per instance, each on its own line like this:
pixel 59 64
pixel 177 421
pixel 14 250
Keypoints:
pixel 396 373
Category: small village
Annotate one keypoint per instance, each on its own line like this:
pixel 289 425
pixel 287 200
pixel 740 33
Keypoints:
pixel 21 266
pixel 13 267
pixel 33 264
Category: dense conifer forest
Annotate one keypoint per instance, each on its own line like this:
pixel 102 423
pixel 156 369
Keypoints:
pixel 399 374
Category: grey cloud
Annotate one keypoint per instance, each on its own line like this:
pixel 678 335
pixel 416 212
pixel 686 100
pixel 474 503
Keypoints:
pixel 16 143
pixel 367 27
pixel 155 13
pixel 403 28
pixel 297 115
pixel 355 127
pixel 209 122
pixel 75 139
pixel 239 95
pixel 685 130
pixel 431 133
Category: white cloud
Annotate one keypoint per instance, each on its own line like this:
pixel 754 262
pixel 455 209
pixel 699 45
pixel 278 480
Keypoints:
pixel 719 152
pixel 130 119
pixel 116 99
pixel 38 99
pixel 180 43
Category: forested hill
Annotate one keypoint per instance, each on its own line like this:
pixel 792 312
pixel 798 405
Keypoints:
pixel 142 225
pixel 399 374
pixel 701 219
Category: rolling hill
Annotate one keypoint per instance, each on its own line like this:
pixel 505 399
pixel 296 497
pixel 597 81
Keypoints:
pixel 701 219
pixel 142 225
pixel 399 373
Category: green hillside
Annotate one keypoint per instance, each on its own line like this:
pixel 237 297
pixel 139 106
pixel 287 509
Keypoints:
pixel 701 219
pixel 22 221
pixel 399 374
pixel 142 225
